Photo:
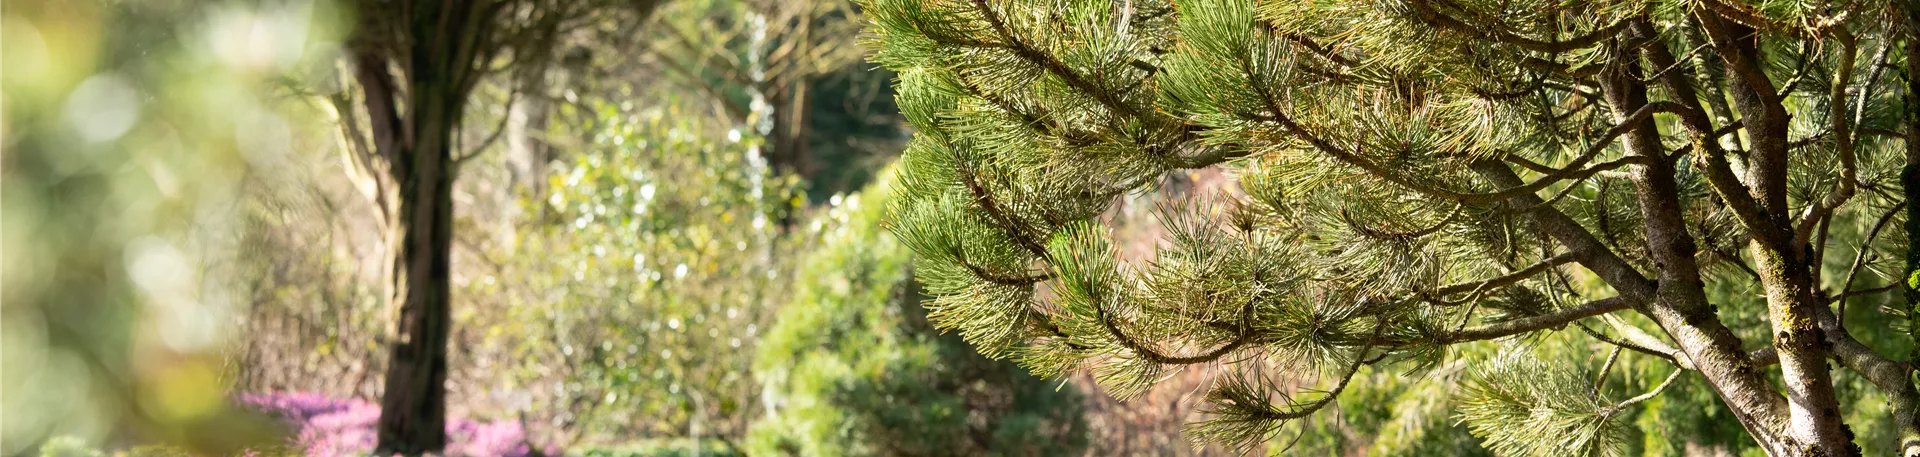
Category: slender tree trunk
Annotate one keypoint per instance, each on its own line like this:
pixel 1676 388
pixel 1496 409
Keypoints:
pixel 790 129
pixel 413 405
pixel 527 151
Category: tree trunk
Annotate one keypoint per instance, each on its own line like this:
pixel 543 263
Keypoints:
pixel 1780 250
pixel 413 408
pixel 527 151
pixel 441 64
pixel 787 138
pixel 790 129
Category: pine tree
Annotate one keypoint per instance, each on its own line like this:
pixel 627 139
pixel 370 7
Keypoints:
pixel 1419 174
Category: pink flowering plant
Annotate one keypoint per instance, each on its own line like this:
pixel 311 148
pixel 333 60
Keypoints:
pixel 329 426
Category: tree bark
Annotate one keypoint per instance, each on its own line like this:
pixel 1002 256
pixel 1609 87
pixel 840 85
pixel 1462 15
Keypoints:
pixel 1708 344
pixel 1813 406
pixel 1681 307
pixel 439 53
pixel 527 152
pixel 413 407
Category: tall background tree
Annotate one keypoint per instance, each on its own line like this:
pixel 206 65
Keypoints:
pixel 440 51
pixel 1420 174
pixel 611 263
pixel 789 72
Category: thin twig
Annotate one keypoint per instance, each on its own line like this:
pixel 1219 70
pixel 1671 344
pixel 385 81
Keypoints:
pixel 1859 255
pixel 1601 378
pixel 1650 394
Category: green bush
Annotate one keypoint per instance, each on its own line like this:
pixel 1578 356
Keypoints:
pixel 852 366
pixel 676 447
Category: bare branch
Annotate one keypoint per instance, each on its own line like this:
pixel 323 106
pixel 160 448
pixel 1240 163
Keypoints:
pixel 506 114
pixel 1841 126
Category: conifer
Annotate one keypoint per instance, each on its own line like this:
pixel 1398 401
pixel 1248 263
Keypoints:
pixel 1418 174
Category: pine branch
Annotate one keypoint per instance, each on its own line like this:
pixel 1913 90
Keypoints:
pixel 1747 16
pixel 1892 377
pixel 1522 406
pixel 1600 377
pixel 1555 319
pixel 1323 51
pixel 1245 334
pixel 1245 415
pixel 1594 38
pixel 1005 279
pixel 1006 222
pixel 1355 131
pixel 1571 171
pixel 1013 42
pixel 1440 294
pixel 1029 120
pixel 1842 129
pixel 1587 250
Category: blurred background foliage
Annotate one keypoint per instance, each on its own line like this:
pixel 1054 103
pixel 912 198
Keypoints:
pixel 628 301
pixel 131 130
pixel 669 243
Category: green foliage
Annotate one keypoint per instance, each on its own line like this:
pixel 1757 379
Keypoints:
pixel 852 367
pixel 67 446
pixel 1385 413
pixel 1561 414
pixel 1416 177
pixel 130 129
pixel 640 284
pixel 660 448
